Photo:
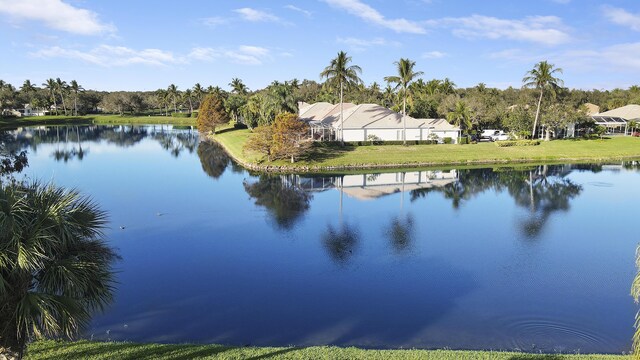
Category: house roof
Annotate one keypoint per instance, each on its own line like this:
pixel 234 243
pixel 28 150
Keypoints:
pixel 592 109
pixel 628 112
pixel 371 116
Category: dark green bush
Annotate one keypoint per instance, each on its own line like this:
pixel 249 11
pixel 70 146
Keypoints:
pixel 180 115
pixel 447 140
pixel 239 126
pixel 391 142
pixel 509 143
pixel 463 140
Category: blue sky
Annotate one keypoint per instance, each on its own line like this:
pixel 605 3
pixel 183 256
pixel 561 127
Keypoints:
pixel 132 45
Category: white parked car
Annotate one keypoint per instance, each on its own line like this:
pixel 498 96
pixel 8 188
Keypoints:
pixel 500 136
pixel 494 135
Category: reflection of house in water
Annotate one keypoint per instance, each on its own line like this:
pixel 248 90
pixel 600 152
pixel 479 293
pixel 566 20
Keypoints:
pixel 373 186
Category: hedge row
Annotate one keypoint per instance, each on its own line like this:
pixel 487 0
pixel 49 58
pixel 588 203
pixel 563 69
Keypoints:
pixel 508 143
pixel 180 115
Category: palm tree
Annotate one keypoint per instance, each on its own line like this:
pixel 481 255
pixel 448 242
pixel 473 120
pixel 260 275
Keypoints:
pixel 62 86
pixel 76 88
pixel 460 116
pixel 28 88
pixel 50 86
pixel 188 96
pixel 198 92
pixel 238 87
pixel 162 98
pixel 405 76
pixel 340 73
pixel 447 86
pixel 542 77
pixel 173 93
pixel 55 267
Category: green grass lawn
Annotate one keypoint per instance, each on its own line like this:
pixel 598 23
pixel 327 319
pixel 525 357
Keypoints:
pixel 81 350
pixel 6 123
pixel 327 157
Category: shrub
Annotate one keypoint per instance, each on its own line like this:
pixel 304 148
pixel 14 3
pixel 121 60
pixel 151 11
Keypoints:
pixel 391 142
pixel 509 143
pixel 447 140
pixel 463 140
pixel 180 115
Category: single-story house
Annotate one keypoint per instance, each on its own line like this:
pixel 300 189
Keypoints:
pixel 616 120
pixel 368 122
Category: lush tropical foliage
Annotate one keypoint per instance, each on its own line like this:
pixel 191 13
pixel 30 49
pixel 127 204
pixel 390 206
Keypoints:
pixel 55 269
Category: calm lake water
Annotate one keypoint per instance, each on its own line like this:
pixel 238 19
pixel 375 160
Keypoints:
pixel 536 258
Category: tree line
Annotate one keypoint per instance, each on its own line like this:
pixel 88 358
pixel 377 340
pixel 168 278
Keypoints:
pixel 543 98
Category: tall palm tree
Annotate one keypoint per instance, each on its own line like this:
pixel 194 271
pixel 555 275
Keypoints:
pixel 50 86
pixel 405 76
pixel 198 92
pixel 238 87
pixel 340 73
pixel 55 267
pixel 542 77
pixel 62 86
pixel 162 98
pixel 173 93
pixel 460 116
pixel 188 97
pixel 75 88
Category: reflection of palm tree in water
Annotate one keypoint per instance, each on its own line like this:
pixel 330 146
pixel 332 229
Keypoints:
pixel 401 233
pixel 543 190
pixel 340 242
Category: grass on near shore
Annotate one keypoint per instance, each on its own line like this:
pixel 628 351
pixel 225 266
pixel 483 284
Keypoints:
pixel 6 123
pixel 325 156
pixel 81 350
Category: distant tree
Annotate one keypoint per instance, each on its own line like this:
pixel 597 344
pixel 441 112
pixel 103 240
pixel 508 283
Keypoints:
pixel 28 89
pixel 62 87
pixel 261 141
pixel 542 77
pixel 50 86
pixel 76 89
pixel 198 93
pixel 518 120
pixel 238 87
pixel 54 266
pixel 340 73
pixel 460 117
pixel 173 94
pixel 290 137
pixel 234 104
pixel 188 98
pixel 405 76
pixel 212 113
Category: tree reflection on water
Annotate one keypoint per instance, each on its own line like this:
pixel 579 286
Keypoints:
pixel 341 242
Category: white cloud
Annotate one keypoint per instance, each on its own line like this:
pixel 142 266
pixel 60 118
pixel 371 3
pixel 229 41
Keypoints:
pixel 367 13
pixel 622 58
pixel 57 15
pixel 107 55
pixel 255 15
pixel 545 30
pixel 622 17
pixel 357 44
pixel 214 21
pixel 306 13
pixel 433 55
pixel 110 56
pixel 244 54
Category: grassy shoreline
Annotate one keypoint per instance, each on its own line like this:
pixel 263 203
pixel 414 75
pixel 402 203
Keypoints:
pixel 49 350
pixel 12 123
pixel 331 158
pixel 327 158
